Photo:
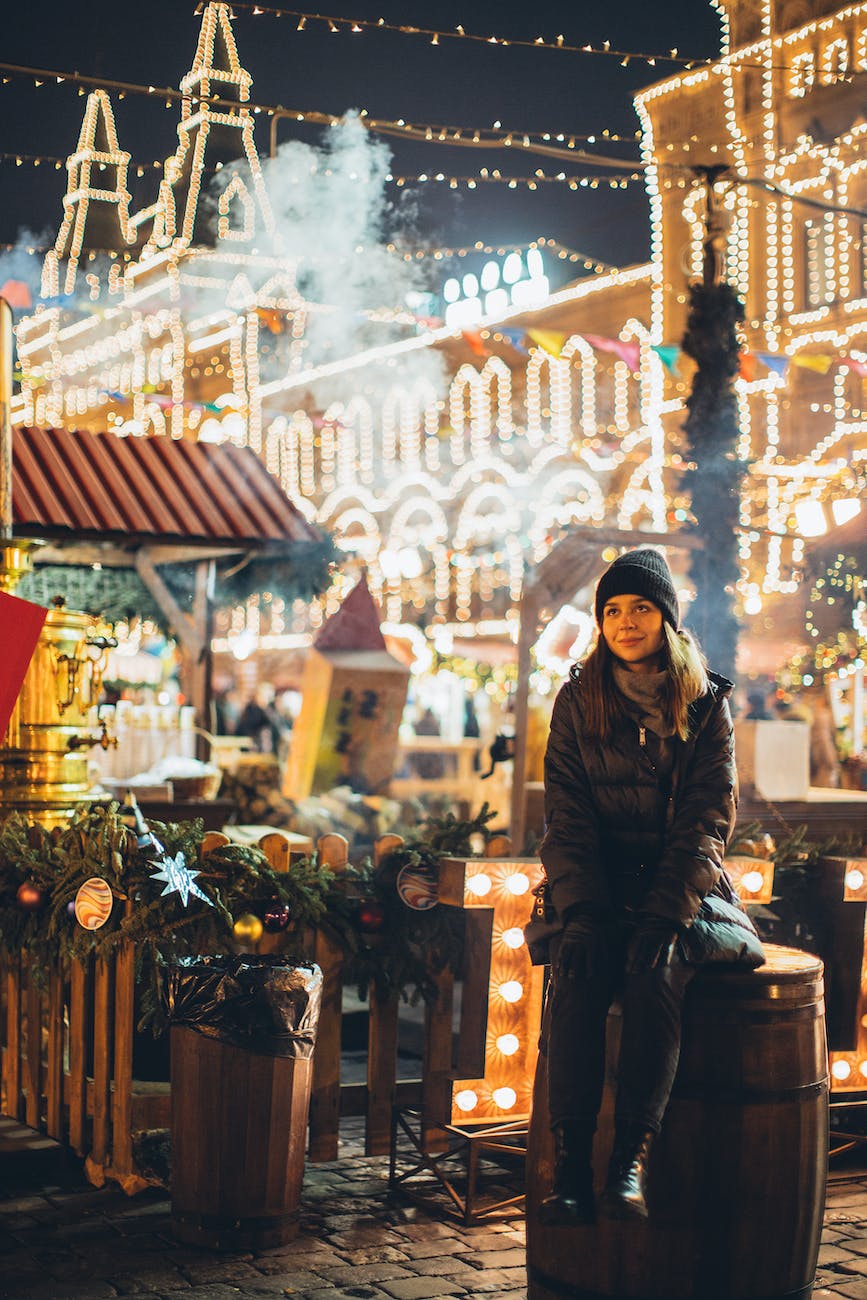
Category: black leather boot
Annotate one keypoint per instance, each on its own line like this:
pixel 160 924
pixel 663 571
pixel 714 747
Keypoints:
pixel 626 1185
pixel 571 1200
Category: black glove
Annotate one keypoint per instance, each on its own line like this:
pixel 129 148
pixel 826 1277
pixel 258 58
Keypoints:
pixel 652 945
pixel 582 947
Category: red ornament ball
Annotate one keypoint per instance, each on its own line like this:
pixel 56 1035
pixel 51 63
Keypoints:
pixel 276 917
pixel 30 896
pixel 371 917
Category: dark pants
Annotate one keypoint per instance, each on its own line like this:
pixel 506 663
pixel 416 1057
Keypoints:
pixel 650 1041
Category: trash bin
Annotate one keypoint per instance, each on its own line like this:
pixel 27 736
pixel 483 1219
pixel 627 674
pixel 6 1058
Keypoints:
pixel 243 1029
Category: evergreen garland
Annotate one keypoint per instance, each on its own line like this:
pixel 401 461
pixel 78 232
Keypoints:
pixel 115 594
pixel 400 956
pixel 296 571
pixel 413 946
pixel 714 482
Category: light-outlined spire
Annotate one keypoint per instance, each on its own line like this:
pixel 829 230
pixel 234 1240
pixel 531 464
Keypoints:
pixel 209 137
pixel 96 203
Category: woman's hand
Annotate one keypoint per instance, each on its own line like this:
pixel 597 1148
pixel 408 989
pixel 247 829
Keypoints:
pixel 582 947
pixel 651 946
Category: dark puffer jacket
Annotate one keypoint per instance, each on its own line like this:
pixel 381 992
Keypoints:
pixel 618 832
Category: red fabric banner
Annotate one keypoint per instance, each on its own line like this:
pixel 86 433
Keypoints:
pixel 20 624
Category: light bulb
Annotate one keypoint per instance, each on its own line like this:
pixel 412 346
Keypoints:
pixel 508 1044
pixel 511 991
pixel 518 883
pixel 466 1099
pixel 505 1098
pixel 479 885
pixel 513 938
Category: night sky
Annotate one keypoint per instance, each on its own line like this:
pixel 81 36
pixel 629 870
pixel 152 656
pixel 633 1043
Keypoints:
pixel 389 74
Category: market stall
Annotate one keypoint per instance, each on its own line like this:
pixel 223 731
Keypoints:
pixel 156 529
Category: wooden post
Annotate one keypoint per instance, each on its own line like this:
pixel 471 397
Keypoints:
pixel 79 1022
pixel 101 1060
pixel 33 1054
pixel 124 1017
pixel 54 1075
pixel 325 1099
pixel 436 1070
pixel 12 1054
pixel 381 1045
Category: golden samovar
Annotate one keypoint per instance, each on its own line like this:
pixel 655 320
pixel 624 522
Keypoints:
pixel 43 761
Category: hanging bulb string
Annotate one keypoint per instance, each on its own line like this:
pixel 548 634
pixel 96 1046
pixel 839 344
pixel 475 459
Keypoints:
pixel 436 35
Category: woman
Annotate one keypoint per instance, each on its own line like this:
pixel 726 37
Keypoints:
pixel 640 800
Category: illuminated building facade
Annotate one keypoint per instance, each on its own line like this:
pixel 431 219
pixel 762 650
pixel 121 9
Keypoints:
pixel 447 491
pixel 783 110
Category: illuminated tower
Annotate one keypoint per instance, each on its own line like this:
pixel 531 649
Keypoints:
pixel 96 203
pixel 209 137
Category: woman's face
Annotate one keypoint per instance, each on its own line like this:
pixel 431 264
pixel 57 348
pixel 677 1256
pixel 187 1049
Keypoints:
pixel 632 628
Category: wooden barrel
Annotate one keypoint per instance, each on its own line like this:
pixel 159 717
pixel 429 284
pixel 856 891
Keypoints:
pixel 239 1130
pixel 736 1189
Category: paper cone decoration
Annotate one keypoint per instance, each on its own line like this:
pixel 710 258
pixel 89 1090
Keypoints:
pixel 355 626
pixel 20 624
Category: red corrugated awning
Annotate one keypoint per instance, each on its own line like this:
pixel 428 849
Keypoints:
pixel 100 486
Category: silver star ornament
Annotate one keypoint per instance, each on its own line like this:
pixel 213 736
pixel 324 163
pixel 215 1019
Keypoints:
pixel 179 879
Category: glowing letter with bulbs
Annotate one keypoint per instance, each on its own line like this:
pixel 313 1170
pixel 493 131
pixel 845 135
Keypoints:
pixel 512 1016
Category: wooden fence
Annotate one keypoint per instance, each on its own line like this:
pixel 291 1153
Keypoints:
pixel 67 1049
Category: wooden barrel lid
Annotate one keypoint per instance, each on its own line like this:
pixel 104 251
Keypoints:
pixel 782 965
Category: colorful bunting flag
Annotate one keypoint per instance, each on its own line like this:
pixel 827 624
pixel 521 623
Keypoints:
pixel 549 341
pixel 813 361
pixel 516 339
pixel 747 366
pixel 773 361
pixel 628 352
pixel 476 343
pixel 669 355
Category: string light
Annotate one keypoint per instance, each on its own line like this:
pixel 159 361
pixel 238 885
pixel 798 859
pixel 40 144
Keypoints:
pixel 554 143
pixel 355 25
pixel 486 177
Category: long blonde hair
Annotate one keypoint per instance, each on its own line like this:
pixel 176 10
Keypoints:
pixel 686 681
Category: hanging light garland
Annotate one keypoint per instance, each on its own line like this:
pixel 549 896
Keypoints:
pixel 355 26
pixel 559 142
pixel 495 177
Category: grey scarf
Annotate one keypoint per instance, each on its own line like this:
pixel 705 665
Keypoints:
pixel 643 693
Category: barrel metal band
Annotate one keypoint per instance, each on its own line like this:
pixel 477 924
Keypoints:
pixel 560 1288
pixel 749 1096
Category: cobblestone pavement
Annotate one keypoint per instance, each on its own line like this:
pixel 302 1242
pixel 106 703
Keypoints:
pixel 61 1239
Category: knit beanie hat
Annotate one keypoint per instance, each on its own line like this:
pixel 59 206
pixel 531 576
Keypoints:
pixel 640 573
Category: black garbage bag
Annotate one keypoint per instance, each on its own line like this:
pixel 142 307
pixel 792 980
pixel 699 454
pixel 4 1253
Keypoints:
pixel 260 1003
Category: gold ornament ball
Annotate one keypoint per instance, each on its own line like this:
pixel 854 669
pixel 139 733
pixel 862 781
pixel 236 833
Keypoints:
pixel 247 928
